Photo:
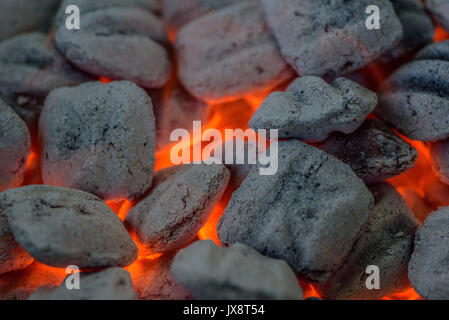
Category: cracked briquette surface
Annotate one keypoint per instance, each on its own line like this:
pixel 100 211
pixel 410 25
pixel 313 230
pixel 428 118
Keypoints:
pixel 62 227
pixel 309 213
pixel 386 241
pixel 228 54
pixel 178 205
pixel 374 151
pixel 99 138
pixel 415 100
pixel 330 38
pixel 311 109
pixel 111 44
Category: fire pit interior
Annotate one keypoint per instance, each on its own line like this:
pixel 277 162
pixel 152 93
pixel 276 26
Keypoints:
pixel 94 206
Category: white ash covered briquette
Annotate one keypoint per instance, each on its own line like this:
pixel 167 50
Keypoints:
pixel 175 108
pixel 435 51
pixel 429 268
pixel 153 280
pixel 415 100
pixel 30 67
pixel 12 255
pixel 439 152
pixel 99 138
pixel 229 54
pixel 61 227
pixel 178 205
pixel 330 38
pixel 374 151
pixel 14 148
pixel 19 16
pixel 386 241
pixel 235 273
pixel 311 109
pixel 123 43
pixel 177 13
pixel 417 25
pixel 309 213
pixel 110 284
pixel 440 8
pixel 85 6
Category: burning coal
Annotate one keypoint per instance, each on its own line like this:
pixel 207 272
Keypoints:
pixel 102 172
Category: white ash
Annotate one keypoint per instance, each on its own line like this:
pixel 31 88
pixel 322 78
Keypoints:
pixel 111 41
pixel 435 51
pixel 12 255
pixel 153 280
pixel 440 8
pixel 110 284
pixel 234 273
pixel 61 227
pixel 330 38
pixel 99 138
pixel 228 54
pixel 86 6
pixel 374 151
pixel 19 16
pixel 439 152
pixel 178 205
pixel 311 109
pixel 428 268
pixel 177 13
pixel 415 100
pixel 30 67
pixel 288 215
pixel 417 25
pixel 386 241
pixel 15 146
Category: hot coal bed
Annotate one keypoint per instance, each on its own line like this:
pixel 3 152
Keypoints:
pixel 358 207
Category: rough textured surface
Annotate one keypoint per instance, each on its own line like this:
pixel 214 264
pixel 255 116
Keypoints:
pixel 322 37
pixel 386 240
pixel 153 280
pixel 20 284
pixel 374 152
pixel 61 227
pixel 14 148
pixel 311 108
pixel 12 255
pixel 18 16
pixel 440 8
pixel 177 13
pixel 125 33
pixel 417 25
pixel 428 268
pixel 178 206
pixel 89 6
pixel 110 284
pixel 439 152
pixel 99 138
pixel 30 67
pixel 435 51
pixel 228 54
pixel 299 214
pixel 235 273
pixel 415 100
